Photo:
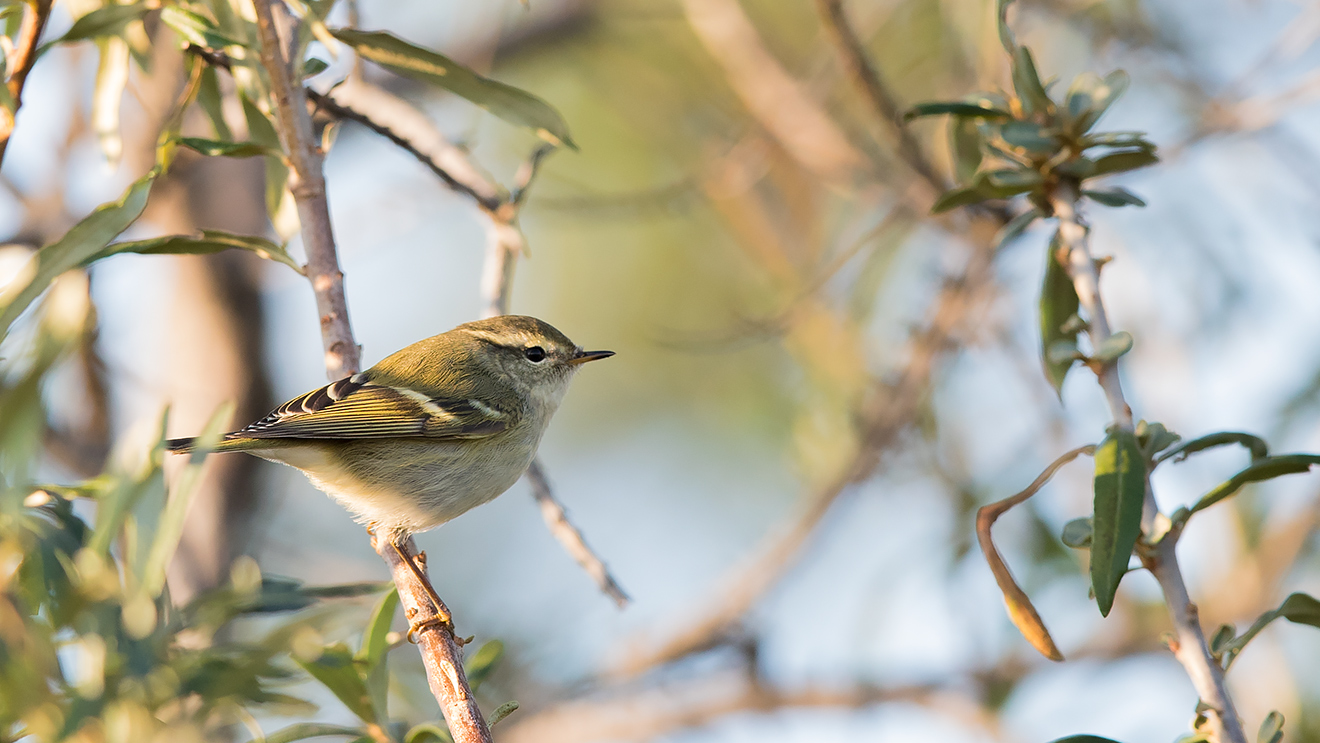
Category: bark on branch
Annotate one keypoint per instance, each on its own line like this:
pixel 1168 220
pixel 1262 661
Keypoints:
pixel 25 55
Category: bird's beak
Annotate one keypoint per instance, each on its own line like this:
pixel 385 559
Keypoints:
pixel 583 357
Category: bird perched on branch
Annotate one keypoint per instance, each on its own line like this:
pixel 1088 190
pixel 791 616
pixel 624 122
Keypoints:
pixel 430 432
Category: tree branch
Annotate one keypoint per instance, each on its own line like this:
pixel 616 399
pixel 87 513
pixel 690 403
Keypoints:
pixel 1189 647
pixel 25 55
pixel 307 183
pixel 442 653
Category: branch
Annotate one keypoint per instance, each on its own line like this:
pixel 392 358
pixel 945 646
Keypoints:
pixel 556 518
pixel 874 90
pixel 1189 646
pixel 442 652
pixel 25 55
pixel 307 183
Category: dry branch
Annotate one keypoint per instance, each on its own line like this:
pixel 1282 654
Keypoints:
pixel 25 55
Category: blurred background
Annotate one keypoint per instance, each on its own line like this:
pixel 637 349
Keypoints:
pixel 783 462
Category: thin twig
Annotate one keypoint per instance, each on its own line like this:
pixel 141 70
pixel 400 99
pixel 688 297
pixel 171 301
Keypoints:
pixel 556 518
pixel 442 654
pixel 1189 647
pixel 25 55
pixel 307 183
pixel 875 91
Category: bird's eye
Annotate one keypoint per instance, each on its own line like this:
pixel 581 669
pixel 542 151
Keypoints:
pixel 535 354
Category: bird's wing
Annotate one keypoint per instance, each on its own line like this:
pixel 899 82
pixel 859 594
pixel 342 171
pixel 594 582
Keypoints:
pixel 355 408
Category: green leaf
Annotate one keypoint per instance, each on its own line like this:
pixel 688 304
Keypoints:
pixel 1077 534
pixel 1031 137
pixel 211 101
pixel 502 711
pixel 108 92
pixel 1118 139
pixel 314 66
pixel 1154 438
pixel 1006 182
pixel 1027 83
pixel 1120 492
pixel 1111 348
pixel 1255 444
pixel 1077 167
pixel 262 131
pixel 208 242
pixel 305 730
pixel 1090 96
pixel 1114 196
pixel 170 527
pixel 1058 303
pixel 77 246
pixel 427 732
pixel 1271 728
pixel 1120 162
pixel 216 148
pixel 1015 227
pixel 1222 638
pixel 1264 469
pixel 373 653
pixel 481 664
pixel 965 145
pixel 1083 739
pixel 194 28
pixel 954 198
pixel 505 101
pixel 107 21
pixel 959 109
pixel 1300 608
pixel 336 671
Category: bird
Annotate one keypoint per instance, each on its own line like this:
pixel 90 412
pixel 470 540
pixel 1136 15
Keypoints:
pixel 432 431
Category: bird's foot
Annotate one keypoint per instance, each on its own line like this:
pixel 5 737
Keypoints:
pixel 437 622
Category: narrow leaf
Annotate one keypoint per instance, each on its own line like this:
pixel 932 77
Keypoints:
pixel 1114 196
pixel 502 711
pixel 1120 162
pixel 1255 444
pixel 111 79
pixel 1264 469
pixel 216 148
pixel 1119 139
pixel 1120 491
pixel 79 244
pixel 965 144
pixel 1058 302
pixel 427 732
pixel 195 28
pixel 170 527
pixel 1006 182
pixel 107 21
pixel 372 655
pixel 336 671
pixel 954 198
pixel 479 667
pixel 1029 136
pixel 208 242
pixel 1015 227
pixel 505 101
pixel 305 730
pixel 1271 728
pixel 211 101
pixel 1300 608
pixel 1027 83
pixel 1077 534
pixel 960 109
pixel 1111 348
pixel 1083 739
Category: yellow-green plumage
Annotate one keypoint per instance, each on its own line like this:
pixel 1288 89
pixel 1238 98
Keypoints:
pixel 431 431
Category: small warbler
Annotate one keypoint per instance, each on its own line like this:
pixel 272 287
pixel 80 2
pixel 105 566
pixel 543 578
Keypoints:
pixel 430 432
